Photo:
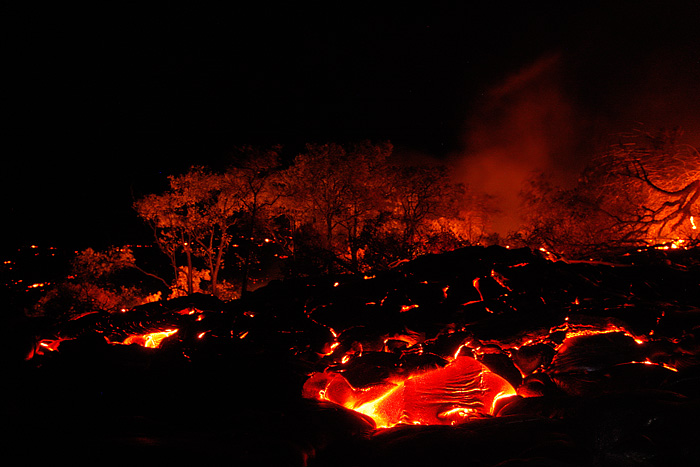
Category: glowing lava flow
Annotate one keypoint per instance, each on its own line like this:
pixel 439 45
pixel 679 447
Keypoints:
pixel 151 340
pixel 445 396
pixel 48 345
pixel 574 330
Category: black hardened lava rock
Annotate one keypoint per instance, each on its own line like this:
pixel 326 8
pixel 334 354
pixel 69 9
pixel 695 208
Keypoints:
pixel 604 358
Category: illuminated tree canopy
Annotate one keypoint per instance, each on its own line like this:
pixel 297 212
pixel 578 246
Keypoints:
pixel 663 175
pixel 645 190
pixel 333 208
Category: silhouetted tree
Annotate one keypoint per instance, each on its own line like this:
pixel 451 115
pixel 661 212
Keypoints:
pixel 367 196
pixel 337 190
pixel 202 212
pixel 425 202
pixel 257 186
pixel 567 222
pixel 342 204
pixel 179 216
pixel 645 190
pixel 664 176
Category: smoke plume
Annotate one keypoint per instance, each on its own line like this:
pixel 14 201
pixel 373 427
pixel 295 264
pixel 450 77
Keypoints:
pixel 522 126
pixel 552 115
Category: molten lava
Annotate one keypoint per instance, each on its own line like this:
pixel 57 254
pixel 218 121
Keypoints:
pixel 48 345
pixel 445 396
pixel 151 340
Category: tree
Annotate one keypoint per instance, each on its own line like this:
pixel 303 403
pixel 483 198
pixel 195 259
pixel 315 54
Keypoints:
pixel 645 190
pixel 367 194
pixel 317 189
pixel 337 190
pixel 193 218
pixel 664 176
pixel 179 216
pixel 334 202
pixel 425 201
pixel 465 223
pixel 257 187
pixel 569 222
pixel 202 212
pixel 92 285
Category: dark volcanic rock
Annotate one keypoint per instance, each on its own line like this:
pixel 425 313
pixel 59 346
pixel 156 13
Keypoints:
pixel 484 442
pixel 227 387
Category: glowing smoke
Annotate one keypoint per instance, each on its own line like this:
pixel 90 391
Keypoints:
pixel 554 114
pixel 523 125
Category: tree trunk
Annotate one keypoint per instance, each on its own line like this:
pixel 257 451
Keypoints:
pixel 245 273
pixel 352 237
pixel 217 266
pixel 329 244
pixel 176 270
pixel 190 281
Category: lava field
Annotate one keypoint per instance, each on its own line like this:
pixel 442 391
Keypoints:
pixel 479 357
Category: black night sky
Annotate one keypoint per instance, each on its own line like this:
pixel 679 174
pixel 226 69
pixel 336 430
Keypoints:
pixel 104 102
